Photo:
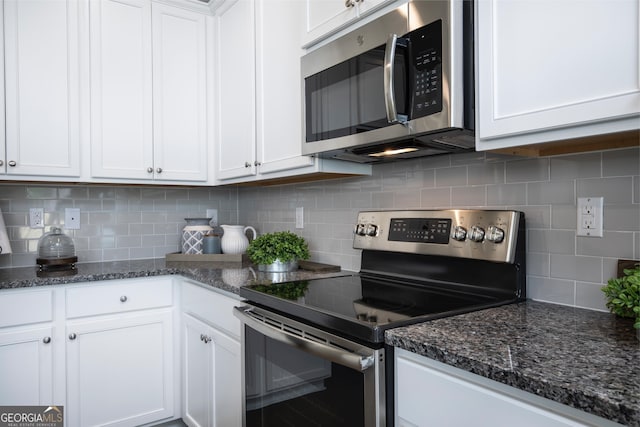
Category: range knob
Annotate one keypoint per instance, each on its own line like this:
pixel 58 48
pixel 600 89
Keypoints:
pixel 476 234
pixel 371 230
pixel 495 234
pixel 459 233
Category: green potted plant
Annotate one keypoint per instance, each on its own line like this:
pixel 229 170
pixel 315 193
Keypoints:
pixel 623 295
pixel 278 251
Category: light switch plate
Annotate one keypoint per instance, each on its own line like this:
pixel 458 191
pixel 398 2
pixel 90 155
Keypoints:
pixel 72 218
pixel 213 214
pixel 300 217
pixel 590 213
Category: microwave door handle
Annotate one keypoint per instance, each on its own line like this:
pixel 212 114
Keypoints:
pixel 389 89
pixel 342 357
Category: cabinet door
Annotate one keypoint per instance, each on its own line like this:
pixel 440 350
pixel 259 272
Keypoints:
pixel 42 87
pixel 212 393
pixel 120 369
pixel 428 393
pixel 197 373
pixel 278 89
pixel 27 366
pixel 179 94
pixel 235 39
pixel 121 86
pixel 325 17
pixel 544 74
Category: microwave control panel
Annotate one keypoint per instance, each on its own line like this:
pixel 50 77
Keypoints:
pixel 426 56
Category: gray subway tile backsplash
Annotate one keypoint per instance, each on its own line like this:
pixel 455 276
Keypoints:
pixel 143 222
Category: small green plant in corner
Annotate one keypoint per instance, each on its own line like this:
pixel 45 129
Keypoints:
pixel 623 295
pixel 283 246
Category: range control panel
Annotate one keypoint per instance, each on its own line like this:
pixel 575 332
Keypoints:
pixel 420 230
pixel 480 234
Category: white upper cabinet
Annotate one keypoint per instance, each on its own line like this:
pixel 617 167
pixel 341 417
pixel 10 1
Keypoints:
pixel 235 94
pixel 121 89
pixel 551 70
pixel 41 65
pixel 148 105
pixel 179 100
pixel 278 87
pixel 259 98
pixel 325 17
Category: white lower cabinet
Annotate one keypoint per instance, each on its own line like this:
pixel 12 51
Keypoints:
pixel 27 366
pixel 120 352
pixel 430 393
pixel 27 344
pixel 211 382
pixel 211 359
pixel 120 370
pixel 123 352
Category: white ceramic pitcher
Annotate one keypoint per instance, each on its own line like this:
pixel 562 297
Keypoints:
pixel 234 239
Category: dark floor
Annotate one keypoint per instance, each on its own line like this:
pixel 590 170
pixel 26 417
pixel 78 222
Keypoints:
pixel 174 423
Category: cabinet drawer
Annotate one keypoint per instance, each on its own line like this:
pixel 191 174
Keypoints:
pixel 18 307
pixel 212 307
pixel 120 296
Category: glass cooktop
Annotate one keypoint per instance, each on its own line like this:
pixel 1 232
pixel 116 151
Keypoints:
pixel 364 307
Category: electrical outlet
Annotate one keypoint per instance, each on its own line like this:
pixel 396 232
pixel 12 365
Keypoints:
pixel 36 217
pixel 590 213
pixel 213 214
pixel 300 217
pixel 72 218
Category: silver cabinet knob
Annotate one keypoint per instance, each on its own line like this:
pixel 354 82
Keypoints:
pixel 46 340
pixel 159 170
pixel 123 298
pixel 257 163
pixel 72 336
pixel 150 169
pixel 247 164
pixel 201 337
pixel 349 3
pixel 12 163
pixel 207 339
pixel 1 163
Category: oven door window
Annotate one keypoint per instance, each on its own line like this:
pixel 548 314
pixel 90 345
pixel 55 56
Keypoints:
pixel 348 98
pixel 285 386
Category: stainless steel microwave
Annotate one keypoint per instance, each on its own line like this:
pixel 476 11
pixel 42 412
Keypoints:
pixel 400 86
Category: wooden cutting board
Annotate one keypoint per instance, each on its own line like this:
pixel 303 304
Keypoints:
pixel 318 267
pixel 624 264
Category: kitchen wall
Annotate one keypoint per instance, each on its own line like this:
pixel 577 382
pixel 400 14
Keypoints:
pixel 562 268
pixel 120 223
pixel 117 223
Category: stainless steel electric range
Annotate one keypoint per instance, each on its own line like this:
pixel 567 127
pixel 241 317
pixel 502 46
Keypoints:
pixel 314 350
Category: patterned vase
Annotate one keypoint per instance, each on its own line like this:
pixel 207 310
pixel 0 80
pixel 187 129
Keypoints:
pixel 193 233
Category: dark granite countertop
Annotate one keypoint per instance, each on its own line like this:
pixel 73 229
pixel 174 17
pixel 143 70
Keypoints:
pixel 586 359
pixel 227 276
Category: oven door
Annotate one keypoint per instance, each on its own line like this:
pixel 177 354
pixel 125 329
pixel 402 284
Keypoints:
pixel 298 375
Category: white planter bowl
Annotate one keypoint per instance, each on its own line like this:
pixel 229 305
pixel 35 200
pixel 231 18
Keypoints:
pixel 279 267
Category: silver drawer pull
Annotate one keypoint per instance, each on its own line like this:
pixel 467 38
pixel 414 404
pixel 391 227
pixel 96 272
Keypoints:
pixel 123 298
pixel 46 340
pixel 72 336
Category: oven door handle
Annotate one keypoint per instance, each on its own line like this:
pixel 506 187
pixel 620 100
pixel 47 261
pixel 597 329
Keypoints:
pixel 324 351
